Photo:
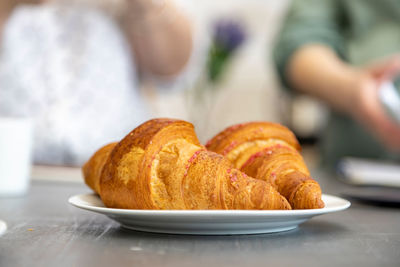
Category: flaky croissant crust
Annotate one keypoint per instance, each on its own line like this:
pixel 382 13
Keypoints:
pixel 162 165
pixel 270 152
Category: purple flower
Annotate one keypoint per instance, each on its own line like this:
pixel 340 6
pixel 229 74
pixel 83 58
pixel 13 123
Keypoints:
pixel 228 34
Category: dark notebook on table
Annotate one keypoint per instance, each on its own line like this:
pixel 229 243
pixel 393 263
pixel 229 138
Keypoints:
pixel 375 182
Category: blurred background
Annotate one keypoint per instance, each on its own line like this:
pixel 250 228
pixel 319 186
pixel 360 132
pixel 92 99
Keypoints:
pixel 86 72
pixel 247 87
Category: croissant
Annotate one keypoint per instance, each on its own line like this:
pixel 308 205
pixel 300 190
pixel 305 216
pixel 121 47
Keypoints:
pixel 162 165
pixel 270 152
pixel 92 169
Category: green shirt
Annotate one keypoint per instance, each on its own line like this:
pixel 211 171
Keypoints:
pixel 359 31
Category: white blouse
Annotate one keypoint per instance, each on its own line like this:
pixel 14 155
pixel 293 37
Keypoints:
pixel 70 70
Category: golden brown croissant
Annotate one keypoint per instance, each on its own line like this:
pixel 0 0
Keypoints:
pixel 270 152
pixel 162 165
pixel 92 169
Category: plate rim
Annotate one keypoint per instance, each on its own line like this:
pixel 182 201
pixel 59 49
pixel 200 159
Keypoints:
pixel 194 213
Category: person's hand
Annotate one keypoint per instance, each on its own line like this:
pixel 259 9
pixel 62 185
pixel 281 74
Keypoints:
pixel 160 35
pixel 367 107
pixel 316 69
pixel 142 9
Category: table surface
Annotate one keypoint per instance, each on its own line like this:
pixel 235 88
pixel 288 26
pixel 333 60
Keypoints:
pixel 44 230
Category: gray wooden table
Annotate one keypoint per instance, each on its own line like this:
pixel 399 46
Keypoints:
pixel 44 230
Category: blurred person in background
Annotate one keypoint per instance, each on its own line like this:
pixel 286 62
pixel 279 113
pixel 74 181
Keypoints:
pixel 340 52
pixel 74 69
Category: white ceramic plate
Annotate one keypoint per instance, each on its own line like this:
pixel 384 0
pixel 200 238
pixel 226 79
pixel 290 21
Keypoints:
pixel 3 227
pixel 208 222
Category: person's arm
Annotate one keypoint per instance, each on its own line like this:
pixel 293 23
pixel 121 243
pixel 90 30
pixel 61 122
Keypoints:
pixel 315 69
pixel 159 34
pixel 318 71
pixel 310 58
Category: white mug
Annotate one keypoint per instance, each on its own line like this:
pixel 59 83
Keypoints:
pixel 15 155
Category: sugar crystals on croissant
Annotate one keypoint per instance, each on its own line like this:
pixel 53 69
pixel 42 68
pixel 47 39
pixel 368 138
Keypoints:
pixel 270 152
pixel 162 165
